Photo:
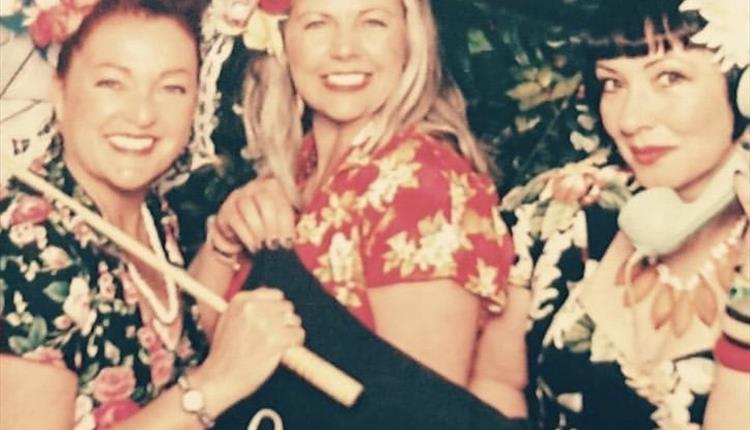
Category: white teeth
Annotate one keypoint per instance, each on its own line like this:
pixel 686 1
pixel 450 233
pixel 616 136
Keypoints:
pixel 127 143
pixel 346 79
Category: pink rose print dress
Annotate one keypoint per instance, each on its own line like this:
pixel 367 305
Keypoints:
pixel 67 300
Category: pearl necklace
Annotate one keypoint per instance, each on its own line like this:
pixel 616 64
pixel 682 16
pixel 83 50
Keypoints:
pixel 677 301
pixel 165 315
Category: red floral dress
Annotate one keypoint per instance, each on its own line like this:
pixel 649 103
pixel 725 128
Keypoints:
pixel 411 211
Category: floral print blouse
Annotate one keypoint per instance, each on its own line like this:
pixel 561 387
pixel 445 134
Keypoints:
pixel 413 210
pixel 67 300
pixel 562 222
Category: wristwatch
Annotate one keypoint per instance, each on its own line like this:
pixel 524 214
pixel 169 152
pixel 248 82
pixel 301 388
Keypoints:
pixel 192 401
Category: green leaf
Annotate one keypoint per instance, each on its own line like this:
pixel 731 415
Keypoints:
pixel 3 287
pixel 37 332
pixel 58 291
pixel 89 374
pixel 19 345
pixel 478 42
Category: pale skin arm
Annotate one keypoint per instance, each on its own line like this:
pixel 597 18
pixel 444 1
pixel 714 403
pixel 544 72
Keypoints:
pixel 435 322
pixel 38 396
pixel 500 372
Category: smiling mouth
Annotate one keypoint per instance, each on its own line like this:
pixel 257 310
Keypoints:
pixel 346 81
pixel 132 144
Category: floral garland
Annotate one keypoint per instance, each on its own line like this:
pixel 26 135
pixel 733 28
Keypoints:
pixel 728 32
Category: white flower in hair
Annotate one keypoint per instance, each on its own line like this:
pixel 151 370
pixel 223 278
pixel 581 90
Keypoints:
pixel 727 29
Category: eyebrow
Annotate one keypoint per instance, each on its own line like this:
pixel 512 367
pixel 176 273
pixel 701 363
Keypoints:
pixel 364 12
pixel 123 69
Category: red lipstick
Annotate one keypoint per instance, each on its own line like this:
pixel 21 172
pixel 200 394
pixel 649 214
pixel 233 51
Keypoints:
pixel 649 154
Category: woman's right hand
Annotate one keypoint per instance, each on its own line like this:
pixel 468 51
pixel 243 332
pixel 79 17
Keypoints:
pixel 258 214
pixel 248 344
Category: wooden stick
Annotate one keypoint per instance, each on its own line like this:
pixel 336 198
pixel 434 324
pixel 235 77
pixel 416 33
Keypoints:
pixel 314 369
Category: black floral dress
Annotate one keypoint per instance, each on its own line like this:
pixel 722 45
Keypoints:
pixel 66 300
pixel 562 222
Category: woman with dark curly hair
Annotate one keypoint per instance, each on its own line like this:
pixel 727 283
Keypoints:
pixel 93 337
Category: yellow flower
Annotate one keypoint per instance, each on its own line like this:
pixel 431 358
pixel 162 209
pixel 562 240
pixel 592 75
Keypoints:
pixel 263 33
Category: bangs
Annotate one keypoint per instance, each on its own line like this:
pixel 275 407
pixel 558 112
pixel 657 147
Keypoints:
pixel 639 34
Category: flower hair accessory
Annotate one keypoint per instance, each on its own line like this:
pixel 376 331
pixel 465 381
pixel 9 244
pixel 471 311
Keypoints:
pixel 257 22
pixel 48 22
pixel 728 32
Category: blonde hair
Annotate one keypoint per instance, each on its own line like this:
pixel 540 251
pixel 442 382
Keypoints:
pixel 424 97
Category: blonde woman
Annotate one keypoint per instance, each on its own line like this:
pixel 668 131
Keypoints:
pixel 386 198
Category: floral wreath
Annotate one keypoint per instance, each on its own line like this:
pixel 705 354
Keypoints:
pixel 728 32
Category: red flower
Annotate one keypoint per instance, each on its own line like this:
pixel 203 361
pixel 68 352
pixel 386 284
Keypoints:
pixel 31 209
pixel 56 24
pixel 275 6
pixel 113 383
pixel 111 412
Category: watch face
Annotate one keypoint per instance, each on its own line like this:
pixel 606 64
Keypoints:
pixel 192 401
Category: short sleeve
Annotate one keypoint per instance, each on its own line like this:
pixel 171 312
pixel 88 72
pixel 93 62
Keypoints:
pixel 443 225
pixel 44 299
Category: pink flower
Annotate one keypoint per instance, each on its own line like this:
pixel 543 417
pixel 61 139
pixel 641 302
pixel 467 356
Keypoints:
pixel 148 339
pixel 31 209
pixel 162 367
pixel 55 24
pixel 46 355
pixel 185 349
pixel 114 411
pixel 275 6
pixel 113 383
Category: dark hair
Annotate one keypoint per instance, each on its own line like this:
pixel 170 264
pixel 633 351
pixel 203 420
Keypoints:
pixel 634 28
pixel 187 13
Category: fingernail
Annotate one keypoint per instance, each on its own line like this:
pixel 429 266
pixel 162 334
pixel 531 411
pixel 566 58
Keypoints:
pixel 287 243
pixel 273 244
